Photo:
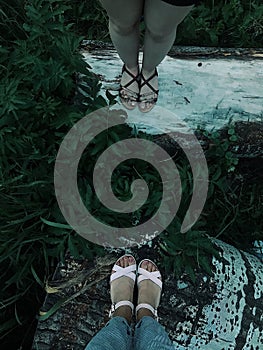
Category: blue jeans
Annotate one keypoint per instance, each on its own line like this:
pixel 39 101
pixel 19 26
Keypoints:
pixel 118 335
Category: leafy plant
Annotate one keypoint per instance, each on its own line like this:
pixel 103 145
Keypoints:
pixel 187 252
pixel 223 23
pixel 40 67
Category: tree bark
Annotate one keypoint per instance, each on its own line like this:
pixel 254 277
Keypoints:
pixel 219 312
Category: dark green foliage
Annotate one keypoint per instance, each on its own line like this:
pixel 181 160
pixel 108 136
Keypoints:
pixel 39 71
pixel 89 19
pixel 186 252
pixel 232 212
pixel 224 23
pixel 122 178
pixel 234 205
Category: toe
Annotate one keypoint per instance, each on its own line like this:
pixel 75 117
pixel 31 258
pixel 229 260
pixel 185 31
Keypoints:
pixel 131 260
pixel 126 261
pixel 131 103
pixel 142 106
pixel 151 269
pixel 123 262
pixel 145 265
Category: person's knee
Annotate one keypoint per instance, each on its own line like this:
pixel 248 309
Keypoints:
pixel 123 28
pixel 159 33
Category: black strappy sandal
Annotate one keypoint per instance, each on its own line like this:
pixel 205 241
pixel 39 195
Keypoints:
pixel 126 95
pixel 147 97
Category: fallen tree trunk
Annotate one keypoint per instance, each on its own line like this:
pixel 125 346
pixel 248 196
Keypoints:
pixel 223 312
pixel 189 51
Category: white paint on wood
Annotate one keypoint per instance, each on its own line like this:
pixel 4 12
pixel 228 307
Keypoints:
pixel 208 94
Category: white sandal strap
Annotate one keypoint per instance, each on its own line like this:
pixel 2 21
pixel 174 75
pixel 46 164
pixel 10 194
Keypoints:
pixel 121 303
pixel 147 275
pixel 128 271
pixel 149 307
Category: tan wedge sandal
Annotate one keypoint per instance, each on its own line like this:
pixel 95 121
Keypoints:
pixel 154 276
pixel 130 272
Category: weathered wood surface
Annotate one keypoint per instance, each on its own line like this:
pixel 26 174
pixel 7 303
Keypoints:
pixel 190 51
pixel 198 86
pixel 223 312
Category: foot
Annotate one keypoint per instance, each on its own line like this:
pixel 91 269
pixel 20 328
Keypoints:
pixel 148 292
pixel 129 87
pixel 122 289
pixel 148 91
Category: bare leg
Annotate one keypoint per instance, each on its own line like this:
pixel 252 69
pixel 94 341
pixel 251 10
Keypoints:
pixel 161 20
pixel 124 20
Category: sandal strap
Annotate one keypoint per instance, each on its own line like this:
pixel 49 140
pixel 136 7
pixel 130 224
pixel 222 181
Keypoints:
pixel 131 95
pixel 147 81
pixel 124 89
pixel 134 77
pixel 147 275
pixel 143 98
pixel 129 271
pixel 148 94
pixel 115 306
pixel 149 307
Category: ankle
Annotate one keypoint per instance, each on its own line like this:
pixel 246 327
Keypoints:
pixel 125 312
pixel 143 312
pixel 148 72
pixel 134 69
